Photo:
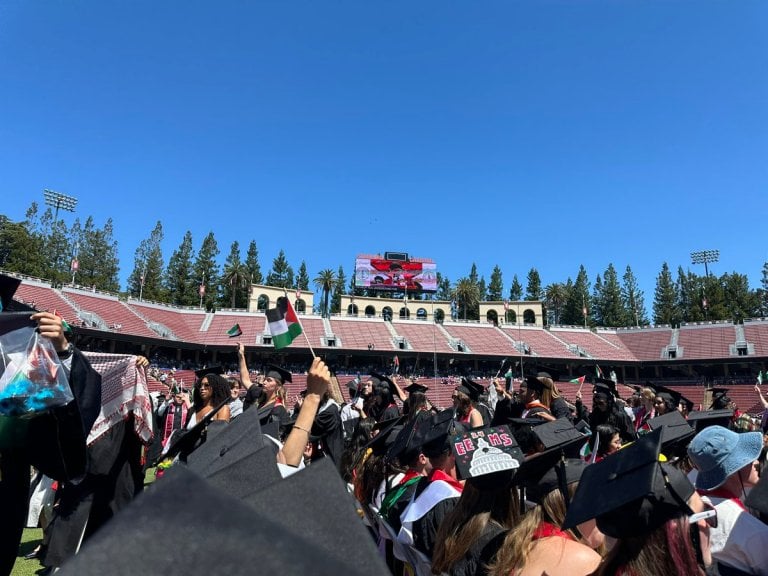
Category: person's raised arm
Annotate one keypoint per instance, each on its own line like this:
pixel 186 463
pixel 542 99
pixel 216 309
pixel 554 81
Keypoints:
pixel 763 401
pixel 318 379
pixel 242 366
pixel 400 393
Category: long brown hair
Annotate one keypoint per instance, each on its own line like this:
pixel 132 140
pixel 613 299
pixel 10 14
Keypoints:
pixel 464 406
pixel 491 502
pixel 519 542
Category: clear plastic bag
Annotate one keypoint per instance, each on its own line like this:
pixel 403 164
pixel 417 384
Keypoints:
pixel 32 378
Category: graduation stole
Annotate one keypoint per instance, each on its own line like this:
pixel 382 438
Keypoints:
pixel 170 417
pixel 395 494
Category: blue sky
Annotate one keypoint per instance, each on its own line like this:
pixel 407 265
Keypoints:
pixel 529 133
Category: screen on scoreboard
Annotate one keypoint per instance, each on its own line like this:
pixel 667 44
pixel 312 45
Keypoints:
pixel 395 275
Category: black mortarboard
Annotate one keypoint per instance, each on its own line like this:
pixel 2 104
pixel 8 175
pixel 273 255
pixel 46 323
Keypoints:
pixel 353 387
pixel 212 370
pixel 550 373
pixel 485 451
pixel 388 430
pixel 720 398
pixel 555 477
pixel 272 371
pixel 182 524
pixel 380 379
pixel 315 502
pixel 702 419
pixel 675 431
pixel 536 465
pixel 8 287
pixel 668 394
pixel 416 387
pixel 522 430
pixel 470 388
pixel 408 441
pixel 605 386
pixel 434 435
pixel 631 493
pixel 560 432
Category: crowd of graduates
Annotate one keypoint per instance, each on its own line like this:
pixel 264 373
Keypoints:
pixel 510 479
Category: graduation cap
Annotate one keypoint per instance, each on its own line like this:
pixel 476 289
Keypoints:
pixel 558 434
pixel 408 441
pixel 522 430
pixel 278 373
pixel 672 396
pixel 675 432
pixel 605 386
pixel 387 432
pixel 8 287
pixel 434 434
pixel 416 387
pixel 183 524
pixel 470 388
pixel 314 502
pixel 485 451
pixel 720 399
pixel 353 387
pixel 380 379
pixel 538 384
pixel 702 419
pixel 536 465
pixel 550 373
pixel 631 493
pixel 558 476
pixel 218 370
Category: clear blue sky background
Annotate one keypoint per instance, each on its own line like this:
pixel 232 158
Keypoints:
pixel 531 133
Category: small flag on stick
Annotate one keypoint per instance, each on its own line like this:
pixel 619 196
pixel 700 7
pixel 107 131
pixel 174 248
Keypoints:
pixel 396 363
pixel 234 331
pixel 760 378
pixel 282 323
pixel 579 380
pixel 598 372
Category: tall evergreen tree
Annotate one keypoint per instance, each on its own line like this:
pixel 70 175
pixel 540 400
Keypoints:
pixel 20 250
pixel 516 290
pixel 664 307
pixel 633 299
pixel 533 288
pixel 148 265
pixel 57 250
pixel 597 309
pixel 482 291
pixel 235 279
pixel 496 286
pixel 205 271
pixel 97 257
pixel 252 263
pixel 302 279
pixel 338 290
pixel 613 311
pixel 281 274
pixel 444 291
pixel 180 286
pixel 739 301
pixel 578 299
pixel 473 276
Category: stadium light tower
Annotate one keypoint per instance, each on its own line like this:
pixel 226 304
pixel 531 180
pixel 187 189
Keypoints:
pixel 705 257
pixel 58 200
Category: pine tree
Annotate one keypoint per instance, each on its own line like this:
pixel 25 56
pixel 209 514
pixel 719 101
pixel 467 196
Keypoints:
pixel 740 302
pixel 533 288
pixel 578 299
pixel 516 290
pixel 664 308
pixel 148 267
pixel 302 279
pixel 482 291
pixel 496 286
pixel 597 310
pixel 96 255
pixel 444 291
pixel 20 250
pixel 473 276
pixel 633 299
pixel 281 274
pixel 57 250
pixel 252 263
pixel 205 271
pixel 235 279
pixel 181 288
pixel 338 290
pixel 612 308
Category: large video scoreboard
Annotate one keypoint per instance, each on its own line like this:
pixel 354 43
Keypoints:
pixel 395 272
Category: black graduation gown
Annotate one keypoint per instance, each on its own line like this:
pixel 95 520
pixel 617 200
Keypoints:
pixel 425 528
pixel 327 427
pixel 55 443
pixel 481 553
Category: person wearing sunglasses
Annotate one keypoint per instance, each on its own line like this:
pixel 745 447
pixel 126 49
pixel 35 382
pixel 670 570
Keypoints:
pixel 726 468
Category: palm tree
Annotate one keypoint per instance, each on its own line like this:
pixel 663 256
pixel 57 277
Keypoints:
pixel 555 296
pixel 467 294
pixel 236 277
pixel 325 281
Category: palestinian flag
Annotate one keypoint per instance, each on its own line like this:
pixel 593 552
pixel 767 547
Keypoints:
pixel 598 372
pixel 579 380
pixel 283 323
pixel 65 327
pixel 234 331
pixel 760 378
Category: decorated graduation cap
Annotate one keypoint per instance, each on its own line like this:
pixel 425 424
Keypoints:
pixel 278 373
pixel 485 451
pixel 704 418
pixel 470 388
pixel 676 432
pixel 631 493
